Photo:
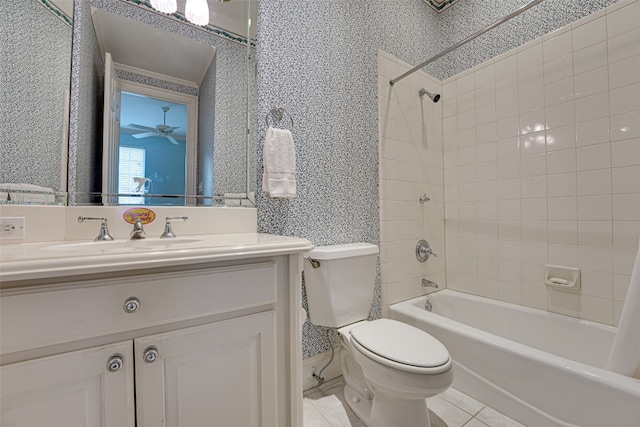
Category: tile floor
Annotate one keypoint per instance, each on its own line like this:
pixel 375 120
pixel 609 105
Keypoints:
pixel 450 409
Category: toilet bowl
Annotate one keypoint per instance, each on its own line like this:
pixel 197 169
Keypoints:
pixel 390 368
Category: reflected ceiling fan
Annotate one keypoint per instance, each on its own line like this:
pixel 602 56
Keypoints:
pixel 160 130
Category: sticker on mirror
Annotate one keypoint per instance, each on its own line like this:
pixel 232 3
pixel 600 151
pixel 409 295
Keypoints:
pixel 146 215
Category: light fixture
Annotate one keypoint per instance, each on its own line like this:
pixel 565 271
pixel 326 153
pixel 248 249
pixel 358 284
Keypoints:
pixel 197 12
pixel 165 6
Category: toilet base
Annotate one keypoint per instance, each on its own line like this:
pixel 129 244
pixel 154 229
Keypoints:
pixel 387 411
pixel 361 407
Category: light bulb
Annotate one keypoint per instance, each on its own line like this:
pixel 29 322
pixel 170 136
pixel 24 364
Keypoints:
pixel 165 6
pixel 197 12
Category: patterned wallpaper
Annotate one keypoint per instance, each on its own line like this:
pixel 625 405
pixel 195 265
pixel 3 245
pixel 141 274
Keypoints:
pixel 317 59
pixel 35 52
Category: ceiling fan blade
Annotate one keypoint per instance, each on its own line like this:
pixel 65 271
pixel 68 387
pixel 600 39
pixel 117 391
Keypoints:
pixel 144 135
pixel 172 139
pixel 171 128
pixel 133 125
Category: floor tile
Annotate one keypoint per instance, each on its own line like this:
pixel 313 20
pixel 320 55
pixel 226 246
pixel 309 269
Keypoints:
pixel 495 419
pixel 312 417
pixel 473 423
pixel 462 401
pixel 448 412
pixel 333 410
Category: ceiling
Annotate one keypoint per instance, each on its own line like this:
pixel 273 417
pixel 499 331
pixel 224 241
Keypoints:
pixel 147 111
pixel 135 44
pixel 230 15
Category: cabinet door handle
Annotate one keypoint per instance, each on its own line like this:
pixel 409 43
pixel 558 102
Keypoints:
pixel 114 363
pixel 131 305
pixel 150 354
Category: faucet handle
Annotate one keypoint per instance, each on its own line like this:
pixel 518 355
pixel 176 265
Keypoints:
pixel 168 231
pixel 104 235
pixel 424 251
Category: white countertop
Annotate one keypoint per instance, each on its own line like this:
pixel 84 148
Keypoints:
pixel 31 261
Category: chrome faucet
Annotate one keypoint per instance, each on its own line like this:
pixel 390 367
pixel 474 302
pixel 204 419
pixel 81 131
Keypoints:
pixel 426 283
pixel 427 305
pixel 168 232
pixel 104 235
pixel 138 232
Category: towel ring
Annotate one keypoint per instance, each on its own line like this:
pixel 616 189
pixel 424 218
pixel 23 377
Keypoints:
pixel 277 114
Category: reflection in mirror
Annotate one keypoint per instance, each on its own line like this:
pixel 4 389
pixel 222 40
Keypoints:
pixel 160 54
pixel 35 54
pixel 152 154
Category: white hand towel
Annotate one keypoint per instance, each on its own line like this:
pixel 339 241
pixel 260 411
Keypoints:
pixel 625 353
pixel 26 193
pixel 279 155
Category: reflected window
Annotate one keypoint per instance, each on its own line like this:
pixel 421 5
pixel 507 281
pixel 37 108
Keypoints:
pixel 131 172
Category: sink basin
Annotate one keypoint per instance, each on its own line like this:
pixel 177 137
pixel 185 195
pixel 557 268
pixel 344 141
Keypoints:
pixel 122 245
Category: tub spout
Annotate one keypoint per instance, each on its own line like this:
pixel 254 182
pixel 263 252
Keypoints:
pixel 426 283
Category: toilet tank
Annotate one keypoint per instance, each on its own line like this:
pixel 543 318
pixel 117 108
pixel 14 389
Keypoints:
pixel 339 281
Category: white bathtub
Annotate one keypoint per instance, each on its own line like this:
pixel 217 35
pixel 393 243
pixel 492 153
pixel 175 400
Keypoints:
pixel 539 368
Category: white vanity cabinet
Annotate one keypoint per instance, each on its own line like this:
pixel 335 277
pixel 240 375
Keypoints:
pixel 92 387
pixel 209 344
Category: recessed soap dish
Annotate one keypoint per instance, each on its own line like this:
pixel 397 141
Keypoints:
pixel 562 278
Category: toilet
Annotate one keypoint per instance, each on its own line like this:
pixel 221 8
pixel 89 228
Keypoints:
pixel 390 368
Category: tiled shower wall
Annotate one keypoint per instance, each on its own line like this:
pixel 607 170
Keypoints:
pixel 542 166
pixel 411 165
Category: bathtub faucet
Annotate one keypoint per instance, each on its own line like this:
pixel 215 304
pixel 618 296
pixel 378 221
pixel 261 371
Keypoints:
pixel 426 283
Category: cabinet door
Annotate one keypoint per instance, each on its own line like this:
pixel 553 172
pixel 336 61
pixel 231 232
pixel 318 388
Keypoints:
pixel 85 388
pixel 222 374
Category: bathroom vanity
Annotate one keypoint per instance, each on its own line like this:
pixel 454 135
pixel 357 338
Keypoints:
pixel 204 331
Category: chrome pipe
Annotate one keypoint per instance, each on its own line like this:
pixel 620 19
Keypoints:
pixel 467 40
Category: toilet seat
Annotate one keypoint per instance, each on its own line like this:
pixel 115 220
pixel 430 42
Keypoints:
pixel 401 346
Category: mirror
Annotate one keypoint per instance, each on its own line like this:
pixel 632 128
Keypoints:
pixel 35 149
pixel 174 60
pixel 35 51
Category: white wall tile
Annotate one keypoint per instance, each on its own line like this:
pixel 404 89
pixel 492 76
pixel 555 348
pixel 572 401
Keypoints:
pixel 590 58
pixel 589 34
pixel 542 165
pixel 561 161
pixel 557 46
pixel 623 19
pixel 624 46
pixel 594 157
pixel 624 72
pixel 594 182
pixel 625 99
pixel 626 179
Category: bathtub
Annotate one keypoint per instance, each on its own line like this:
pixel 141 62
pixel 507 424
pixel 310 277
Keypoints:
pixel 539 368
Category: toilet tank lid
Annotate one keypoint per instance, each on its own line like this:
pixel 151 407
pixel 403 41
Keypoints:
pixel 342 251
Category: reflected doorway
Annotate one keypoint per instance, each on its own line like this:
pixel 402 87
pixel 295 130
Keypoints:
pixel 156 146
pixel 153 150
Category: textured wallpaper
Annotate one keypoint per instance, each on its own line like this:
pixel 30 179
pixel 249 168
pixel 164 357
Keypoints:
pixel 35 52
pixel 317 59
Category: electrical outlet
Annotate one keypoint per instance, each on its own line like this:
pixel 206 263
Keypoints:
pixel 12 228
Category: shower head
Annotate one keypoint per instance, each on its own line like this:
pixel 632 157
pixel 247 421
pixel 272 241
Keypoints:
pixel 435 97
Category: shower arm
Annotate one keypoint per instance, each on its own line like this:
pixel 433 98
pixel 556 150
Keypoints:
pixel 467 40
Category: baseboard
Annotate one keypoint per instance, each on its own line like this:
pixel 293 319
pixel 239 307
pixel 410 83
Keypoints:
pixel 315 364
